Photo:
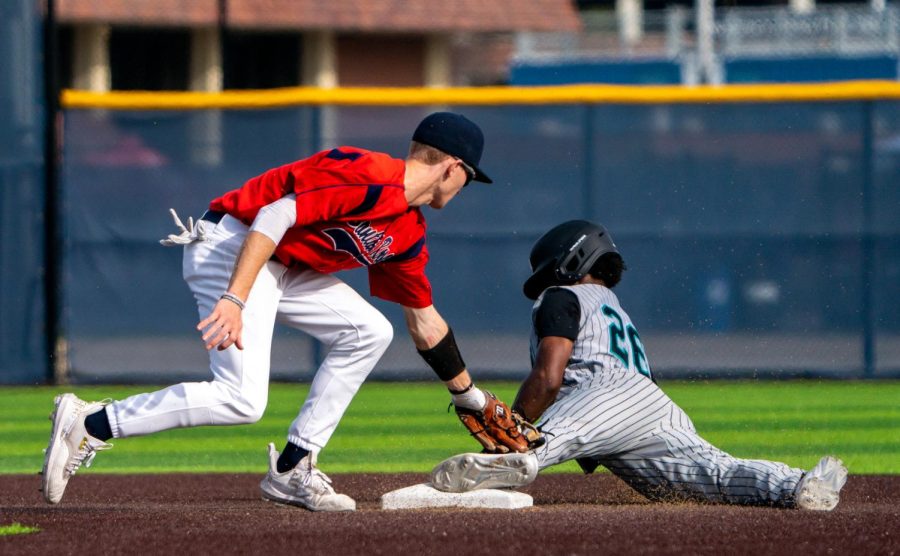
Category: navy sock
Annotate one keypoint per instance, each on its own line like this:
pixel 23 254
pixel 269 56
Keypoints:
pixel 290 457
pixel 97 425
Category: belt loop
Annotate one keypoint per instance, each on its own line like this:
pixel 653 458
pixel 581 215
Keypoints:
pixel 212 216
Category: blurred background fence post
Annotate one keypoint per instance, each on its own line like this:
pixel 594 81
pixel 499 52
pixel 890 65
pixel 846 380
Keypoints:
pixel 24 353
pixel 867 271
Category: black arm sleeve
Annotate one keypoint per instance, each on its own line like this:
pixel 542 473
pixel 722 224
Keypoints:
pixel 444 358
pixel 559 314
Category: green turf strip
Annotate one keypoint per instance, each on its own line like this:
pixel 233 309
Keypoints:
pixel 16 529
pixel 395 427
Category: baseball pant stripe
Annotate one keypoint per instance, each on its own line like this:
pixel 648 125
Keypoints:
pixel 665 456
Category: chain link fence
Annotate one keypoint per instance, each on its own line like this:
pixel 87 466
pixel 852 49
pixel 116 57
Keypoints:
pixel 829 35
pixel 761 238
pixel 829 30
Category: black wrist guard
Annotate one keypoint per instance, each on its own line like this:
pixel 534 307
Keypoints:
pixel 444 358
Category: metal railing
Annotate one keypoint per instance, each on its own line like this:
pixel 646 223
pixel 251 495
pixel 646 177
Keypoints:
pixel 662 34
pixel 834 30
pixel 678 34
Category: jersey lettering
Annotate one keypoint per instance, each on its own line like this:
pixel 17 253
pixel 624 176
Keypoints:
pixel 616 335
pixel 618 331
pixel 367 245
pixel 639 357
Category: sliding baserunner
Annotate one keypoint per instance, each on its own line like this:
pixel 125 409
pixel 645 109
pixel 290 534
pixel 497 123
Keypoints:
pixel 592 392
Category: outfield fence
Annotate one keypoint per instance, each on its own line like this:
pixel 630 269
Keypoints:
pixel 759 223
pixel 23 326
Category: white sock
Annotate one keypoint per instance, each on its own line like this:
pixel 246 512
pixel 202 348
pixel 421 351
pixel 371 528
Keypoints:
pixel 473 399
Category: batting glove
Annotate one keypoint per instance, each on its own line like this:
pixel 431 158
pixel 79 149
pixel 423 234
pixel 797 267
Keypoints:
pixel 187 234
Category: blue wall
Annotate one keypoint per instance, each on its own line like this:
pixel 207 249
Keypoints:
pixel 23 356
pixel 736 70
pixel 809 69
pixel 618 72
pixel 738 222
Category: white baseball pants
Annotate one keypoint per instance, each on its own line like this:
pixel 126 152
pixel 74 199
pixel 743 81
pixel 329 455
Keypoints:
pixel 353 333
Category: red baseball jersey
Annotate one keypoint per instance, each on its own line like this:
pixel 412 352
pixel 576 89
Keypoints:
pixel 351 212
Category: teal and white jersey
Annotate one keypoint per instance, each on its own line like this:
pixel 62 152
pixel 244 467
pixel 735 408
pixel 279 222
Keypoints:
pixel 611 412
pixel 607 339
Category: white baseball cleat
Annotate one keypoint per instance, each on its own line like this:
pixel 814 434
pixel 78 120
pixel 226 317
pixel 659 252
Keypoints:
pixel 472 471
pixel 70 444
pixel 820 488
pixel 304 485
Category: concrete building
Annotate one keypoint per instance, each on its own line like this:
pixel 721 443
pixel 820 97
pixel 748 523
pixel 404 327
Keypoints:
pixel 210 45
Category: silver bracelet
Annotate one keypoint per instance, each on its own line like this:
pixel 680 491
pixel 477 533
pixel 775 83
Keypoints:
pixel 233 298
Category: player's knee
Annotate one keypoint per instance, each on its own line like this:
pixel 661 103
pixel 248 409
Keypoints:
pixel 248 412
pixel 376 332
pixel 253 410
pixel 384 333
pixel 245 407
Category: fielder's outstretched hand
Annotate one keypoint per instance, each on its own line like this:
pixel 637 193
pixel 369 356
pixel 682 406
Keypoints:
pixel 223 326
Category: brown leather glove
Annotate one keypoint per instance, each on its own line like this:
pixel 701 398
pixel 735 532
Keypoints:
pixel 494 427
pixel 533 436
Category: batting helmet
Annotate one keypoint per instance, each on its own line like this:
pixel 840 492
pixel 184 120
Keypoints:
pixel 565 254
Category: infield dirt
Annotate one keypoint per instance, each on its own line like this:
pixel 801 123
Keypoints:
pixel 573 514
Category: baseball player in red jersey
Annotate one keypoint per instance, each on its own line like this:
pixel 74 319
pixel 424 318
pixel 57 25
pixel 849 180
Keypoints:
pixel 266 252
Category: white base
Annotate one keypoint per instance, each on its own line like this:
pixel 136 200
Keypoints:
pixel 426 496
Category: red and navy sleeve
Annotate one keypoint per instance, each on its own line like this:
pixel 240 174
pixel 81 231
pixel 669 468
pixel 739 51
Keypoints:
pixel 244 203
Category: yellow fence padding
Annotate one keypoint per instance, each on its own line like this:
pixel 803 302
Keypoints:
pixel 563 94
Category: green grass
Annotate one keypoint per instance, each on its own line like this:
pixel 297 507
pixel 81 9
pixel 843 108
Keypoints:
pixel 393 427
pixel 16 529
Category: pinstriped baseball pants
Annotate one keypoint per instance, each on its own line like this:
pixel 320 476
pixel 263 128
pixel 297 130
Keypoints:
pixel 625 422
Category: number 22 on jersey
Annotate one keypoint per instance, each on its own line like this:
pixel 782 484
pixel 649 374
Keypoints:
pixel 621 337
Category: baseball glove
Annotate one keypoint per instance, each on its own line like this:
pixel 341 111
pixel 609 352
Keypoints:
pixel 533 436
pixel 497 428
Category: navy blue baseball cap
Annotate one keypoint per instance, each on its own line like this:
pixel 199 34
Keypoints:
pixel 455 135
